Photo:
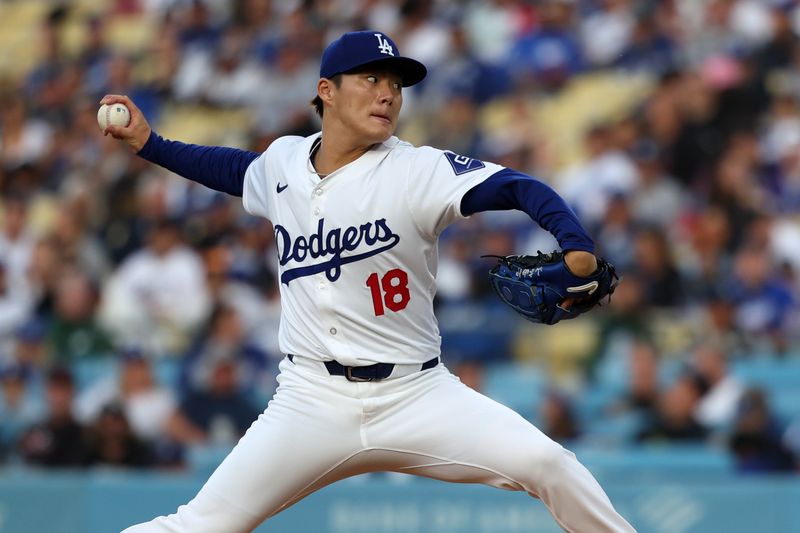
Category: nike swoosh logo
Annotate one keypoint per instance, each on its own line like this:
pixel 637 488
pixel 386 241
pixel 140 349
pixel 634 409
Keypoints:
pixel 281 189
pixel 591 287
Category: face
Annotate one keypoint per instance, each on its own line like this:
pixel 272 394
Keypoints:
pixel 367 104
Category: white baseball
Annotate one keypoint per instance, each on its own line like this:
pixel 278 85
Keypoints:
pixel 113 115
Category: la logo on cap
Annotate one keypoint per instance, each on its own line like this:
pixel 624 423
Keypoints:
pixel 383 45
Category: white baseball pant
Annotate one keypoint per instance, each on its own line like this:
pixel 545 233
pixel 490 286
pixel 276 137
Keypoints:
pixel 320 428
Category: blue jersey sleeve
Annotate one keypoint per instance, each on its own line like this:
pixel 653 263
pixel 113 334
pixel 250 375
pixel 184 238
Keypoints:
pixel 216 167
pixel 509 189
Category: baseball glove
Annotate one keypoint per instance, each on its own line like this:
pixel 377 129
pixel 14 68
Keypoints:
pixel 536 286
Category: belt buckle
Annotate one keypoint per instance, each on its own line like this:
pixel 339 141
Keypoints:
pixel 348 373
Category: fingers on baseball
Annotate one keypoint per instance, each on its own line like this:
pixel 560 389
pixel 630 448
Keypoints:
pixel 127 102
pixel 115 99
pixel 118 132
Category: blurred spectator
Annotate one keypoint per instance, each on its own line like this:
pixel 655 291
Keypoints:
pixel 716 323
pixel 112 442
pixel 778 52
pixel 717 407
pixel 549 55
pixel 471 372
pixel 94 55
pixel 260 315
pixel 706 258
pixel 74 332
pixel 225 339
pixel 711 33
pixel 455 125
pixel 606 32
pixel 250 248
pixel 559 421
pixel 24 140
pixel 756 437
pixel 623 322
pixel 256 22
pixel 464 75
pixel 44 272
pixel 30 348
pixel 218 413
pixel 77 245
pixel 228 77
pixel 14 311
pixel 650 47
pixel 198 31
pixel 20 406
pixel 492 27
pixel 762 301
pixel 662 283
pixel 697 142
pixel 119 79
pixel 642 388
pixel 16 242
pixel 59 440
pixel 146 404
pixel 674 420
pixel 736 190
pixel 50 65
pixel 606 174
pixel 238 281
pixel 282 104
pixel 455 281
pixel 659 199
pixel 616 231
pixel 690 184
pixel 421 34
pixel 158 296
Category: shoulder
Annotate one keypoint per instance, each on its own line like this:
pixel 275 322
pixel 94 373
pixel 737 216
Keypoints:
pixel 404 150
pixel 288 144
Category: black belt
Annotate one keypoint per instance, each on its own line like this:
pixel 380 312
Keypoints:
pixel 374 372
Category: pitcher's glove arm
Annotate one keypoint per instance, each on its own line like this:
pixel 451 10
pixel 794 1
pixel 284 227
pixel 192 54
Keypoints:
pixel 542 289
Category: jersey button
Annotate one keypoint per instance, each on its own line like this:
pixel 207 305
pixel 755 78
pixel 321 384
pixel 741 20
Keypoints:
pixel 318 192
pixel 333 331
pixel 316 210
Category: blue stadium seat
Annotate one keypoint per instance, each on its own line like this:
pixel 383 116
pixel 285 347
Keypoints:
pixel 517 386
pixel 92 370
pixel 786 404
pixel 167 371
pixel 670 461
pixel 769 373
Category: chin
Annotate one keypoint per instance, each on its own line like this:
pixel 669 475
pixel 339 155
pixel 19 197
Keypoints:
pixel 379 137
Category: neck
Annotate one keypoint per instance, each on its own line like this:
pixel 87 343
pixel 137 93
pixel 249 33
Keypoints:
pixel 336 151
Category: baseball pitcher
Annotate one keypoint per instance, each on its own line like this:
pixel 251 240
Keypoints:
pixel 357 214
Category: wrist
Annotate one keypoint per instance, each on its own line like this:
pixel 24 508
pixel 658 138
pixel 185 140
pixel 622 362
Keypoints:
pixel 580 263
pixel 147 146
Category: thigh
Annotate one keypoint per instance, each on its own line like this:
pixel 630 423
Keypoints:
pixel 446 430
pixel 306 438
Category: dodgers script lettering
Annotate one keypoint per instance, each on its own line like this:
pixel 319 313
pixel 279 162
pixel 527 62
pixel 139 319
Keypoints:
pixel 378 236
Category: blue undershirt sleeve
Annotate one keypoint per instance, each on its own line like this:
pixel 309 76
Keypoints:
pixel 217 167
pixel 509 189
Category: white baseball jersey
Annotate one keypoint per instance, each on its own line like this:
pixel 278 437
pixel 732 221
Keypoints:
pixel 357 265
pixel 358 249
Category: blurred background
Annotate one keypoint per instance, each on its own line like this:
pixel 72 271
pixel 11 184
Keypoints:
pixel 139 311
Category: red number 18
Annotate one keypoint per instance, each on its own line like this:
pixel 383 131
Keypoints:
pixel 395 294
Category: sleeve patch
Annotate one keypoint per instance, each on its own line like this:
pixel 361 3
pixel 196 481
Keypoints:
pixel 462 164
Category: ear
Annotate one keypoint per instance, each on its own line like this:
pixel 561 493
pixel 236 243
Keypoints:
pixel 325 90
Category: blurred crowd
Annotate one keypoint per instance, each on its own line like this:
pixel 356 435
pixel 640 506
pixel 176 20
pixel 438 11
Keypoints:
pixel 139 311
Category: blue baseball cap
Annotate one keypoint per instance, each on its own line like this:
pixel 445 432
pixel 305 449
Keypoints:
pixel 360 48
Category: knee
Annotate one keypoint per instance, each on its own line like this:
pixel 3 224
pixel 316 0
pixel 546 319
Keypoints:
pixel 546 461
